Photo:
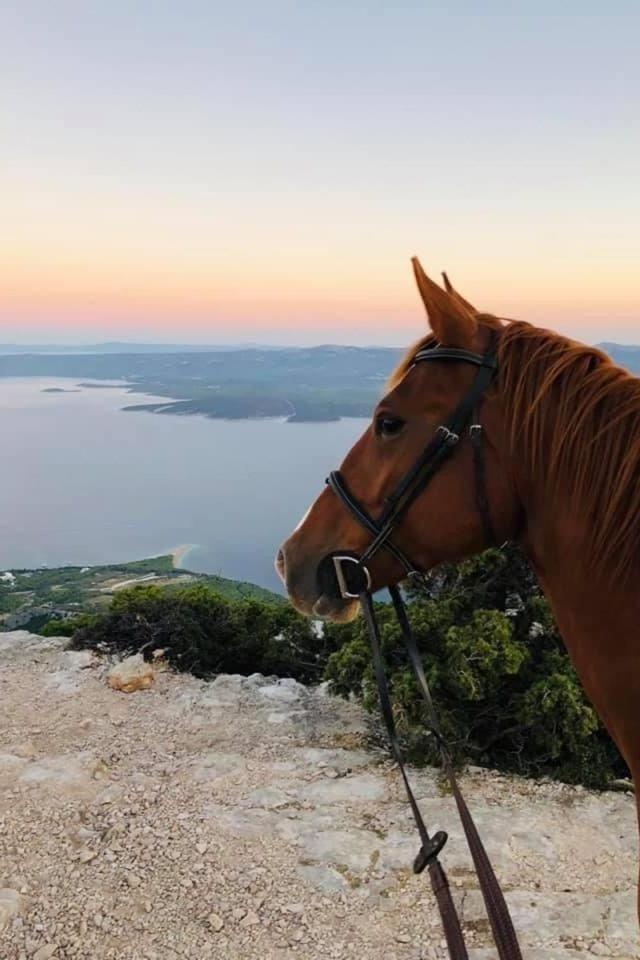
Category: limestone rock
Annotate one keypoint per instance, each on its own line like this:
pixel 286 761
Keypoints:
pixel 10 905
pixel 86 855
pixel 65 773
pixel 17 643
pixel 352 848
pixel 250 919
pixel 361 787
pixel 46 952
pixel 286 691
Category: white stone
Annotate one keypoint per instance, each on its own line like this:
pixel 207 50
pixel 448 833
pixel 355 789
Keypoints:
pixel 354 849
pixel 322 877
pixel 212 765
pixel 45 952
pixel 65 773
pixel 86 855
pixel 271 798
pixel 10 905
pixel 287 691
pixel 250 919
pixel 361 787
pixel 18 644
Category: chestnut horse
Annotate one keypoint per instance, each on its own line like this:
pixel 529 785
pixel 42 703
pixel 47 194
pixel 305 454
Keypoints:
pixel 561 427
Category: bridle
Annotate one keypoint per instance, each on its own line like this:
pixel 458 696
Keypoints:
pixel 352 572
pixel 354 581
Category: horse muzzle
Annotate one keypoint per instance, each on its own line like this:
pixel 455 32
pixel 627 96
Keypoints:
pixel 315 589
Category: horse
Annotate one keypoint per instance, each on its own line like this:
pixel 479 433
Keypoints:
pixel 561 475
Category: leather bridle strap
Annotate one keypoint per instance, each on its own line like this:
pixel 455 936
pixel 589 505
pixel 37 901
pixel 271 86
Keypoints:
pixel 430 846
pixel 336 481
pixel 358 583
pixel 499 917
pixel 502 927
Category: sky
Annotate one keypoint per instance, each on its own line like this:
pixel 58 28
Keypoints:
pixel 263 171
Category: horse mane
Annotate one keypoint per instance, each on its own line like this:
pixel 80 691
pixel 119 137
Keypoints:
pixel 576 417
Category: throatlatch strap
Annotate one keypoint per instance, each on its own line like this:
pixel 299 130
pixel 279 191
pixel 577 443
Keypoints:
pixel 479 468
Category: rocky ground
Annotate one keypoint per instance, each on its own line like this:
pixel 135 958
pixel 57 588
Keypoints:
pixel 251 818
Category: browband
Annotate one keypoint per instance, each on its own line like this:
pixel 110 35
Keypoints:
pixel 453 353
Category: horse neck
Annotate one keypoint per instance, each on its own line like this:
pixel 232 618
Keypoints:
pixel 597 615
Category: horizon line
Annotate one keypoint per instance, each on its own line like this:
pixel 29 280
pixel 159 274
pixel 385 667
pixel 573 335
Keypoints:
pixel 231 345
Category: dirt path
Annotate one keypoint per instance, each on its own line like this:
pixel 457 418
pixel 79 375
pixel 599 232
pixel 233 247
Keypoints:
pixel 246 818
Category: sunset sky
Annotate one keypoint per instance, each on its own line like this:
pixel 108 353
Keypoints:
pixel 221 172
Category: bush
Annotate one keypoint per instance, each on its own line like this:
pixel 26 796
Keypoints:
pixel 506 691
pixel 58 627
pixel 205 633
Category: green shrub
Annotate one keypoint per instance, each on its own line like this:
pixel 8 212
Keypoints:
pixel 505 688
pixel 57 627
pixel 506 692
pixel 205 633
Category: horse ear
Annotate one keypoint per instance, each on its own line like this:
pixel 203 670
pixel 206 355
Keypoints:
pixel 450 318
pixel 454 293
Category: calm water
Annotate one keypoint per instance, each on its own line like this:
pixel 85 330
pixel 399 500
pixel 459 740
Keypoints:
pixel 84 483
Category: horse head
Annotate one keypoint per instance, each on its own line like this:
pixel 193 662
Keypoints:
pixel 443 522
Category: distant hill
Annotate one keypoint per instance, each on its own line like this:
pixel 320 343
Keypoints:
pixel 117 346
pixel 627 355
pixel 29 598
pixel 301 383
pixel 297 383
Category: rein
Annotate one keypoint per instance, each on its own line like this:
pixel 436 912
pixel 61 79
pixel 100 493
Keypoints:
pixel 354 582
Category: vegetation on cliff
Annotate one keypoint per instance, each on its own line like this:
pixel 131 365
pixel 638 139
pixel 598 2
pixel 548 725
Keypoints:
pixel 43 600
pixel 507 693
pixel 506 690
pixel 205 633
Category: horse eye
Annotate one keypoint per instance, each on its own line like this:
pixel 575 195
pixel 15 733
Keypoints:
pixel 387 426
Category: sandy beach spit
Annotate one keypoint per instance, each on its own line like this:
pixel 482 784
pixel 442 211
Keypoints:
pixel 180 553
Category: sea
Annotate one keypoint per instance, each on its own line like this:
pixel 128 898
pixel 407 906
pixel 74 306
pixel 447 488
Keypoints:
pixel 84 482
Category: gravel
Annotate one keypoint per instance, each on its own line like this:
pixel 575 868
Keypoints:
pixel 252 818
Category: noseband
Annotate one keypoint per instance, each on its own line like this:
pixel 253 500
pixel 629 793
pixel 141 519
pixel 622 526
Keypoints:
pixel 354 582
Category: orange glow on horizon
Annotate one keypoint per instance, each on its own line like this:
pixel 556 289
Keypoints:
pixel 162 270
pixel 160 296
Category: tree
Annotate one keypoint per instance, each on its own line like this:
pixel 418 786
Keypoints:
pixel 505 688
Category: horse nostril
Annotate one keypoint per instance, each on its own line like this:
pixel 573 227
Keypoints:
pixel 280 564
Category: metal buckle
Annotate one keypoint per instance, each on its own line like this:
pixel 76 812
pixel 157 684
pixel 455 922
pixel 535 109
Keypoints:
pixel 342 580
pixel 450 438
pixel 427 856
